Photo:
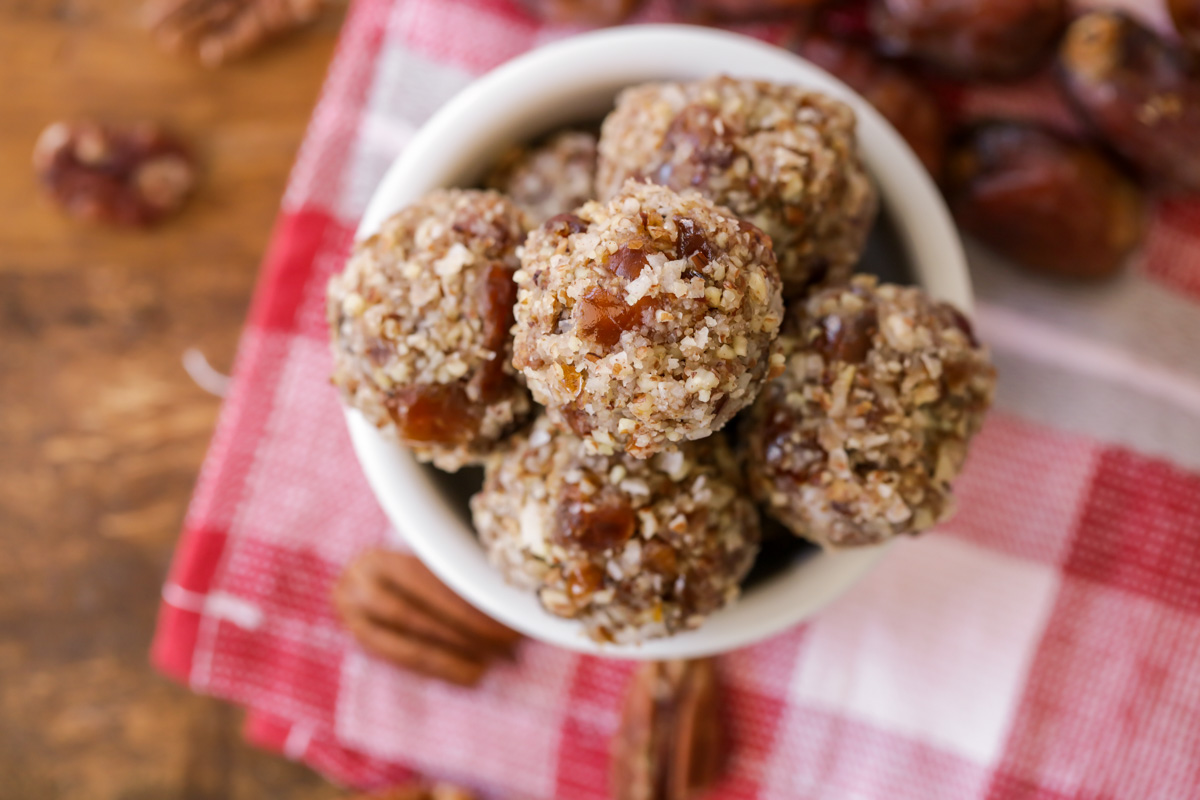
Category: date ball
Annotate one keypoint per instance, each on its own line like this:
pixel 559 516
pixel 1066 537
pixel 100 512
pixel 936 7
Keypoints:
pixel 420 319
pixel 552 178
pixel 647 320
pixel 778 156
pixel 858 440
pixel 634 549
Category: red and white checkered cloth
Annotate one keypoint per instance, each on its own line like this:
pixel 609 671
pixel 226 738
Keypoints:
pixel 1043 644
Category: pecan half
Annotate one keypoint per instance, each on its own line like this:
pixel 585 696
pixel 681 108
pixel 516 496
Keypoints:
pixel 671 744
pixel 420 791
pixel 217 31
pixel 131 175
pixel 398 610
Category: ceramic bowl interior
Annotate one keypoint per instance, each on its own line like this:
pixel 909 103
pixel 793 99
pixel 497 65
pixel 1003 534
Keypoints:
pixel 575 82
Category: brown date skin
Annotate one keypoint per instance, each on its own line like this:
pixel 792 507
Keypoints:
pixel 581 12
pixel 734 10
pixel 901 98
pixel 1139 92
pixel 1186 16
pixel 970 39
pixel 1053 204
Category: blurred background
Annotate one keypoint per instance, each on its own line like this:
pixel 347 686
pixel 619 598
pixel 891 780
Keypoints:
pixel 101 428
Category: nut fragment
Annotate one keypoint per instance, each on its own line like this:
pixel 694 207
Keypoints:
pixel 581 12
pixel 1140 92
pixel 1043 200
pixel 217 31
pixel 974 39
pixel 399 610
pixel 671 743
pixel 900 97
pixel 131 175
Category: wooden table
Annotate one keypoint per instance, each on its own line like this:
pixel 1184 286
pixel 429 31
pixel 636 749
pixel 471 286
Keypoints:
pixel 101 430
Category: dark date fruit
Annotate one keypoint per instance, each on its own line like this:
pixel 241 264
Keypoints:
pixel 627 262
pixel 132 175
pixel 1186 16
pixel 581 12
pixel 597 523
pixel 901 98
pixel 970 39
pixel 847 339
pixel 1140 92
pixel 439 413
pixel 602 316
pixel 494 298
pixel 734 10
pixel 1045 201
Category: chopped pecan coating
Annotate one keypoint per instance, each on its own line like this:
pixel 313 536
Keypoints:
pixel 859 438
pixel 778 156
pixel 647 320
pixel 633 548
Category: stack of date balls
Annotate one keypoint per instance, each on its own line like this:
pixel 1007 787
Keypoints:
pixel 594 324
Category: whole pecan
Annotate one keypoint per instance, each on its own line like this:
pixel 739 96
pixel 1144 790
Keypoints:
pixel 131 175
pixel 399 610
pixel 671 743
pixel 420 791
pixel 217 31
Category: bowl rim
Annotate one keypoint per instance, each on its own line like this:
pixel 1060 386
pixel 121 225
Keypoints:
pixel 550 77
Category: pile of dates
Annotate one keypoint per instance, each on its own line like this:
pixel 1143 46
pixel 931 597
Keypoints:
pixel 1057 202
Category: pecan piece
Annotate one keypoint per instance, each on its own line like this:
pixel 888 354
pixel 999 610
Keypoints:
pixel 217 31
pixel 670 745
pixel 131 175
pixel 398 610
pixel 420 791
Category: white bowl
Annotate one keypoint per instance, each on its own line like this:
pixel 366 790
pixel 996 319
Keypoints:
pixel 569 82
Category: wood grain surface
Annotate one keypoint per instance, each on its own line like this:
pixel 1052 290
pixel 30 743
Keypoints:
pixel 101 430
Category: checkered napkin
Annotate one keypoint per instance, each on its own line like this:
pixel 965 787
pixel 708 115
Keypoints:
pixel 1045 643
